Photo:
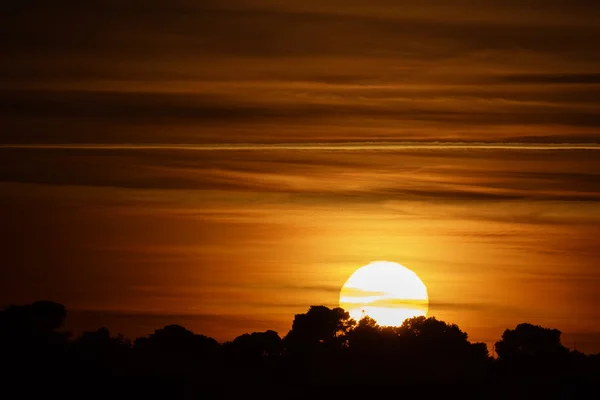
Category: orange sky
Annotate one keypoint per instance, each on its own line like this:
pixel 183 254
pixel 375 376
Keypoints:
pixel 229 240
pixel 498 236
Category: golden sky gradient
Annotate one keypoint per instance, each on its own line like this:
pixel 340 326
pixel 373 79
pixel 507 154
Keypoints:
pixel 498 236
pixel 226 164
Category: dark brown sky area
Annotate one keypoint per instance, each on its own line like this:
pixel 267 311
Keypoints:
pixel 226 164
pixel 164 71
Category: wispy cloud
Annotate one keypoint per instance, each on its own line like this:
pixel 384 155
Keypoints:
pixel 328 146
pixel 553 79
pixel 299 72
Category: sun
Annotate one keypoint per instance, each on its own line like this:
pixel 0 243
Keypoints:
pixel 385 291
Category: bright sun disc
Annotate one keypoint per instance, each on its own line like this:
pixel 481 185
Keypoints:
pixel 385 291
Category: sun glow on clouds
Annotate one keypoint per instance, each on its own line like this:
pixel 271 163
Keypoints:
pixel 385 291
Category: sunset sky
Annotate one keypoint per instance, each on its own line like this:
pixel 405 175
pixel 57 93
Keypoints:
pixel 226 164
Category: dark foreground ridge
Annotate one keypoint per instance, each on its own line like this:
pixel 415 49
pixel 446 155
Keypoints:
pixel 326 354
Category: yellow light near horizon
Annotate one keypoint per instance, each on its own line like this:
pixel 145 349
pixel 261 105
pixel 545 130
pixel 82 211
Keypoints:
pixel 385 291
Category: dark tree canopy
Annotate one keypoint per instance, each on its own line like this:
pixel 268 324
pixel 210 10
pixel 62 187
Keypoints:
pixel 176 339
pixel 528 340
pixel 431 328
pixel 319 328
pixel 39 318
pixel 419 344
pixel 256 344
pixel 368 337
pixel 532 347
pixel 434 337
pixel 99 349
pixel 33 328
pixel 324 346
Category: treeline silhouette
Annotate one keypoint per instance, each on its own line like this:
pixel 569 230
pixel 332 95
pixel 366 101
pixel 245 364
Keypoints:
pixel 324 349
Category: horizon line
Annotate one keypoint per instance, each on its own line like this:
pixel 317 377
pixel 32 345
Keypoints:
pixel 326 146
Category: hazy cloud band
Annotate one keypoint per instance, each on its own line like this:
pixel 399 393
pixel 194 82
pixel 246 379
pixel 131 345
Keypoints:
pixel 313 146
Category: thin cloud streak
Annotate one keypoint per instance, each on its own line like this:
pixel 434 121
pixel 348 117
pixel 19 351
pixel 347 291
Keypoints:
pixel 358 146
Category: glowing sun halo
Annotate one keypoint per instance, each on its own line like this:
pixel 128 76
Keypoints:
pixel 385 291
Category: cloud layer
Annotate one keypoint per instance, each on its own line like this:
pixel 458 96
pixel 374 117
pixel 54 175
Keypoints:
pixel 258 71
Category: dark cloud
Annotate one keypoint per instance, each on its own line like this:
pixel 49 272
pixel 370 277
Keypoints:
pixel 469 178
pixel 103 71
pixel 97 116
pixel 314 288
pixel 582 278
pixel 471 306
pixel 256 28
pixel 568 78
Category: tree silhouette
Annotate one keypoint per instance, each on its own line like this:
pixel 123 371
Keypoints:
pixel 527 340
pixel 31 345
pixel 255 345
pixel 39 319
pixel 320 328
pixel 364 334
pixel 368 338
pixel 100 348
pixel 30 332
pixel 177 340
pixel 324 346
pixel 532 349
pixel 432 338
